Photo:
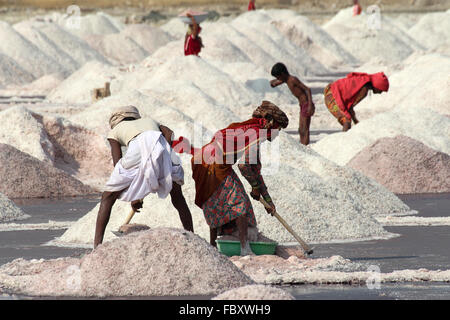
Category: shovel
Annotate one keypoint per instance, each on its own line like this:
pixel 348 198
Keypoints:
pixel 127 221
pixel 305 247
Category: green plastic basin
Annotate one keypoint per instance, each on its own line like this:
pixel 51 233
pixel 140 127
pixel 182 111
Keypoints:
pixel 233 248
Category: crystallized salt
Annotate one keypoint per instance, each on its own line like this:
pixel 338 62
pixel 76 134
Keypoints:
pixel 432 29
pixel 25 53
pixel 364 39
pixel 404 165
pixel 157 262
pixel 24 176
pixel 9 211
pixel 255 292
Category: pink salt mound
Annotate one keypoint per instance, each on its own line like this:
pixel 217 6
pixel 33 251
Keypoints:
pixel 156 262
pixel 404 165
pixel 24 176
pixel 80 152
pixel 255 292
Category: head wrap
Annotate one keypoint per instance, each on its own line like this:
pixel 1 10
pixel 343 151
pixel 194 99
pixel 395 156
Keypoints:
pixel 267 108
pixel 379 81
pixel 121 113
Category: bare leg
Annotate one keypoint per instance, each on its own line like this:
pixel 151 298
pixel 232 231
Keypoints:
pixel 179 202
pixel 303 130
pixel 346 126
pixel 104 212
pixel 242 224
pixel 213 236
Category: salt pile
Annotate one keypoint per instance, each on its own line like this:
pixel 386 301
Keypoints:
pixel 429 128
pixel 404 165
pixel 25 53
pixel 41 86
pixel 271 269
pixel 255 292
pixel 77 88
pixel 432 29
pixel 78 151
pixel 31 31
pixel 364 40
pixel 119 48
pixel 9 211
pixel 24 176
pixel 98 24
pixel 158 262
pixel 315 40
pixel 18 123
pixel 65 42
pixel 11 73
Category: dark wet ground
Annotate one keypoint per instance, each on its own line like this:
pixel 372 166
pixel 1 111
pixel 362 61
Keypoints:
pixel 414 248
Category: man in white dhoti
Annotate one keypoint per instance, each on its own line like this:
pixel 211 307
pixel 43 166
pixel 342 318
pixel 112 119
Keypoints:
pixel 148 166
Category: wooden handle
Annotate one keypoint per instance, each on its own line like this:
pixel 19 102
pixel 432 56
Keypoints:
pixel 305 247
pixel 130 216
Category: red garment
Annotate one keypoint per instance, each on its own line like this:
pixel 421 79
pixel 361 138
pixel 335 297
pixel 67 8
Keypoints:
pixel 213 162
pixel 357 10
pixel 345 91
pixel 192 46
pixel 251 6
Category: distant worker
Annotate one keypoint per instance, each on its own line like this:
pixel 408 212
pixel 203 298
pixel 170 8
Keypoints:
pixel 356 8
pixel 251 5
pixel 192 41
pixel 303 95
pixel 344 94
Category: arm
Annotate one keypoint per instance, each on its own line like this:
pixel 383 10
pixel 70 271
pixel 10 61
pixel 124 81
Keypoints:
pixel 194 24
pixel 275 83
pixel 353 115
pixel 361 95
pixel 167 133
pixel 116 151
pixel 252 173
pixel 179 202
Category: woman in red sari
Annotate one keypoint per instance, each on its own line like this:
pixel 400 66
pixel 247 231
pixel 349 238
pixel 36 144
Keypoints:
pixel 219 191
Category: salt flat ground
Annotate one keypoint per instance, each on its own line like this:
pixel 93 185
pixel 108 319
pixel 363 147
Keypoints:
pixel 415 247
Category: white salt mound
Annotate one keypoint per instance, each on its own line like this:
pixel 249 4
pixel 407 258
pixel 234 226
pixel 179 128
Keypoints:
pixel 255 292
pixel 9 211
pixel 157 262
pixel 12 73
pixel 364 42
pixel 317 42
pixel 23 131
pixel 432 29
pixel 77 88
pixel 33 32
pixel 119 48
pixel 99 24
pixel 25 53
pixel 404 165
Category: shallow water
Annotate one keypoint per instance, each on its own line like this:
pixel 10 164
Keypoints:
pixel 415 247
